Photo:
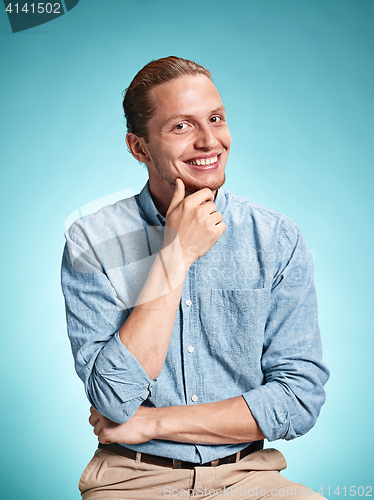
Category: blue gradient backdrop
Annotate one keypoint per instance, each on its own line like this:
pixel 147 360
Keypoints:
pixel 297 81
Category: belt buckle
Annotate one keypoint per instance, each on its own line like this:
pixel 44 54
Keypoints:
pixel 177 464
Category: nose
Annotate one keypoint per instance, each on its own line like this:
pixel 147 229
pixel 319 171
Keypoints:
pixel 205 139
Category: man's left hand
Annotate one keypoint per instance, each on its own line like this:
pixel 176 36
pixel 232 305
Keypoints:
pixel 132 432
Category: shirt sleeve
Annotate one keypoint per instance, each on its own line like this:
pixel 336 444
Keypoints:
pixel 287 405
pixel 115 382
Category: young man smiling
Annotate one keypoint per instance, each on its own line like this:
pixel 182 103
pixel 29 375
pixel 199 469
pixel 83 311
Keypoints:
pixel 188 138
pixel 191 312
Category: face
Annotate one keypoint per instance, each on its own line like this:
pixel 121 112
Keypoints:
pixel 188 136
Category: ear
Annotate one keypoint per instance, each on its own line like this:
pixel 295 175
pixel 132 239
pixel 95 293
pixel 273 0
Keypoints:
pixel 137 147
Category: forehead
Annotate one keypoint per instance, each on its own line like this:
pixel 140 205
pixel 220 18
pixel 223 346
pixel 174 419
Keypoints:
pixel 185 96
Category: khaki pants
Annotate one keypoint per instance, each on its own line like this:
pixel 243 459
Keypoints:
pixel 109 476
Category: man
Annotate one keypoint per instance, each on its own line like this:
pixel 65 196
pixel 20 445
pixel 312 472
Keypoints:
pixel 191 313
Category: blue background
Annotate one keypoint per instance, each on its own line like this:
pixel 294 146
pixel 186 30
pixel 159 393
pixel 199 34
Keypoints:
pixel 297 80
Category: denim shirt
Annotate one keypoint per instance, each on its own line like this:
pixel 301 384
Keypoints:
pixel 246 324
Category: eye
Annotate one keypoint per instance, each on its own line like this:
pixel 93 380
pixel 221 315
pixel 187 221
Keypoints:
pixel 215 119
pixel 180 126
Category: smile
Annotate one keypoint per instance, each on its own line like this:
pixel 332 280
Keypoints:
pixel 203 161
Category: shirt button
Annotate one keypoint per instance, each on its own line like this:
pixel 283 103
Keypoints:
pixel 190 348
pixel 188 302
pixel 194 398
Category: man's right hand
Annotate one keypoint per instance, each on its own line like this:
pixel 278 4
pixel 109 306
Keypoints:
pixel 195 220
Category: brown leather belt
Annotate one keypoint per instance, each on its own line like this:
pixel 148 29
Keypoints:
pixel 118 449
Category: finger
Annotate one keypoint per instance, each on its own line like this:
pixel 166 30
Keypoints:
pixel 222 227
pixel 104 436
pixel 93 420
pixel 207 208
pixel 201 196
pixel 178 195
pixel 216 218
pixel 93 411
pixel 98 427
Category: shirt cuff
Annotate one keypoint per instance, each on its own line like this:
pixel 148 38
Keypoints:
pixel 121 384
pixel 267 404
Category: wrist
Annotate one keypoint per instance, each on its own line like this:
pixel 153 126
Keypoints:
pixel 174 264
pixel 159 424
pixel 147 422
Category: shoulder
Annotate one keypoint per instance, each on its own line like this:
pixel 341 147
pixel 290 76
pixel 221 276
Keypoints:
pixel 109 222
pixel 243 211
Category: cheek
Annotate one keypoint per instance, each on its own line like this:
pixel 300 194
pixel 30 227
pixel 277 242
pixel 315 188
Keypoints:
pixel 171 150
pixel 224 137
pixel 227 139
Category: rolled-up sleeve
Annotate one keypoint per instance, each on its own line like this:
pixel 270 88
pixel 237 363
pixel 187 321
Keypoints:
pixel 287 405
pixel 115 382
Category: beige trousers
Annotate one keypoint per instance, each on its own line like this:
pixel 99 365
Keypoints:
pixel 112 477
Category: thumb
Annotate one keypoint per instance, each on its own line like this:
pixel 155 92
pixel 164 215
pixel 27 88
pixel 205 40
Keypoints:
pixel 178 195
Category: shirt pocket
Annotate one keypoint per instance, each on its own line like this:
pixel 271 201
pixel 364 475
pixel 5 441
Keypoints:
pixel 237 320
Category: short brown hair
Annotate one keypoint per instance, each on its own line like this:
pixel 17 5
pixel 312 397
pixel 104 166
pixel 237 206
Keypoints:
pixel 137 105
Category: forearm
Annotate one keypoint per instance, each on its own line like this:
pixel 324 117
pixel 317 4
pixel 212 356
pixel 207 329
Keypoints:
pixel 223 422
pixel 191 223
pixel 147 331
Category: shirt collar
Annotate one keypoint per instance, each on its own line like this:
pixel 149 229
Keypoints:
pixel 154 215
pixel 220 200
pixel 145 199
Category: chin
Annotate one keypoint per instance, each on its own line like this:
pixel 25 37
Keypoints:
pixel 192 187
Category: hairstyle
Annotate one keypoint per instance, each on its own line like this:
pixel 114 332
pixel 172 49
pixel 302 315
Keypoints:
pixel 137 104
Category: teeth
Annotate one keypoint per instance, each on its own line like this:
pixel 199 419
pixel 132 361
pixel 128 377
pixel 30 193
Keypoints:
pixel 207 161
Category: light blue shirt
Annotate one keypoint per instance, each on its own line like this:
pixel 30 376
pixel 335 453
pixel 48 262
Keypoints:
pixel 246 325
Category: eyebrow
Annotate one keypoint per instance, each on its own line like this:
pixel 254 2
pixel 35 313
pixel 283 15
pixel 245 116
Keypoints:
pixel 174 117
